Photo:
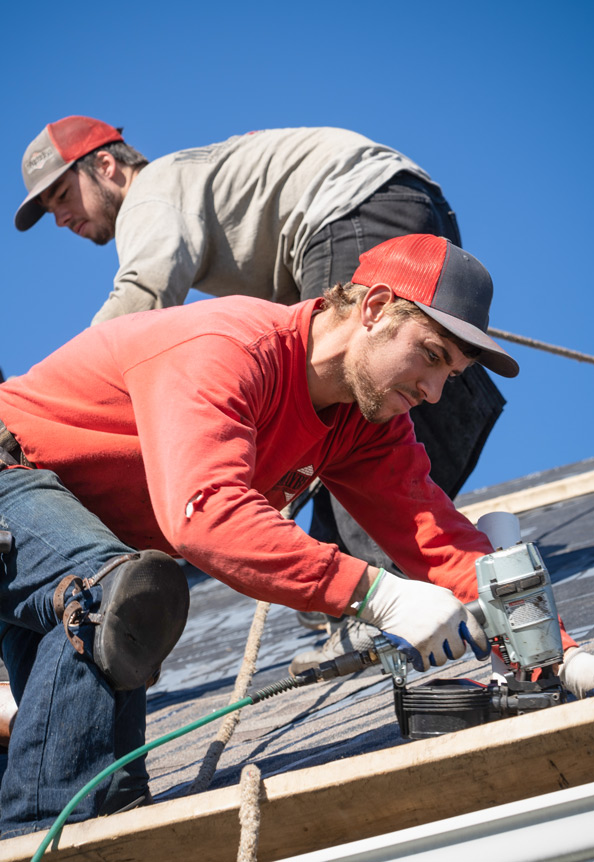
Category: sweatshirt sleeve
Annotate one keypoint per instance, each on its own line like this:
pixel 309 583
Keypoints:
pixel 387 489
pixel 198 425
pixel 384 483
pixel 160 248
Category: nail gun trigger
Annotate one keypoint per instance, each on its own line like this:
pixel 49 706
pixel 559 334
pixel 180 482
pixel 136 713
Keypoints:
pixel 393 661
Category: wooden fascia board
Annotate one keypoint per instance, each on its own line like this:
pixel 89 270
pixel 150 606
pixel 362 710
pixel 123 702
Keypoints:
pixel 533 498
pixel 349 799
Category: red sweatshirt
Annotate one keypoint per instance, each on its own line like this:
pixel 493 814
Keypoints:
pixel 188 429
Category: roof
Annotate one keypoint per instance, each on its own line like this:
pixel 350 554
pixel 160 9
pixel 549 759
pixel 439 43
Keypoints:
pixel 345 726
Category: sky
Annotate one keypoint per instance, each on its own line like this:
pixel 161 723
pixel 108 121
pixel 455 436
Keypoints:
pixel 493 99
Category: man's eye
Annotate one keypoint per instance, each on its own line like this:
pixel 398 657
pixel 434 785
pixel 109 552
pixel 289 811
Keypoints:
pixel 433 357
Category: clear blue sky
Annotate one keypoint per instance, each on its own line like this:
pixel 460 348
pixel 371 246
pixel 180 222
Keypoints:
pixel 493 99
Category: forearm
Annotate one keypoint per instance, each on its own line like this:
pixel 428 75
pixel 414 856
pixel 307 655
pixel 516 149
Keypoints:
pixel 237 537
pixel 128 301
pixel 424 534
pixel 135 290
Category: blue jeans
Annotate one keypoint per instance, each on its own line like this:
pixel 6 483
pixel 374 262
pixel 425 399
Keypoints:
pixel 453 431
pixel 71 724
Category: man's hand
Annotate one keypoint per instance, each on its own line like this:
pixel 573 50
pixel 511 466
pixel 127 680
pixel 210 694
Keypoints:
pixel 426 622
pixel 577 672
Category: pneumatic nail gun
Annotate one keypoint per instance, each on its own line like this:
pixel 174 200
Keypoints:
pixel 517 610
pixel 516 607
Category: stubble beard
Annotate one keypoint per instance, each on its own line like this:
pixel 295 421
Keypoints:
pixel 368 398
pixel 105 230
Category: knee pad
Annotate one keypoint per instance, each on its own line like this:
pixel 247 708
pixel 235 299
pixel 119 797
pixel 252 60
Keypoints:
pixel 144 607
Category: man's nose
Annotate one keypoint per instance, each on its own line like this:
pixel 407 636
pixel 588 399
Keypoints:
pixel 62 216
pixel 432 387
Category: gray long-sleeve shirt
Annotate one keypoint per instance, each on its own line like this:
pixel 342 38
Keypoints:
pixel 236 217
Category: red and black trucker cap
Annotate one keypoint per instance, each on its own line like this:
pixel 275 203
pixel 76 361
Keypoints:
pixel 50 155
pixel 448 284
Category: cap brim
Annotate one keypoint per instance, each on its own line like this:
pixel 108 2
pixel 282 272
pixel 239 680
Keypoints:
pixel 30 211
pixel 492 356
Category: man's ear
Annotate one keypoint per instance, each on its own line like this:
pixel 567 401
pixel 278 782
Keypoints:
pixel 374 304
pixel 105 164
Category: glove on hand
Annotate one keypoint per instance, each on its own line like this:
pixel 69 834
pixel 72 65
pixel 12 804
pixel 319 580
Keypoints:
pixel 426 622
pixel 577 672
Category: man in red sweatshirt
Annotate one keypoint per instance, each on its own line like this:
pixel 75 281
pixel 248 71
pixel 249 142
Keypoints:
pixel 186 431
pixel 279 214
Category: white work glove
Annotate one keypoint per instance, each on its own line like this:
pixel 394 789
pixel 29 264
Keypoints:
pixel 426 622
pixel 577 672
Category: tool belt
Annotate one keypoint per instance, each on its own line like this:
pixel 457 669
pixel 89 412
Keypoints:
pixel 9 446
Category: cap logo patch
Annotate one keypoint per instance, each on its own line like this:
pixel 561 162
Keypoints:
pixel 38 160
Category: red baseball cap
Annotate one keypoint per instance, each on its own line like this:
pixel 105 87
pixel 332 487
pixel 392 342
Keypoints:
pixel 448 284
pixel 52 153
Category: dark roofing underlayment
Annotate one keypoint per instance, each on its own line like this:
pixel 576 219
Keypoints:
pixel 337 719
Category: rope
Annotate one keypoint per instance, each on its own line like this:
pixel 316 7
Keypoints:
pixel 250 822
pixel 541 345
pixel 249 813
pixel 242 683
pixel 56 829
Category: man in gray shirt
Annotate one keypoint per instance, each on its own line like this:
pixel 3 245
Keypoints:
pixel 280 214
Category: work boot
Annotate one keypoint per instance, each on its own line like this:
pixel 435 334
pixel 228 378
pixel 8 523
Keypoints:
pixel 142 612
pixel 126 801
pixel 351 635
pixel 315 621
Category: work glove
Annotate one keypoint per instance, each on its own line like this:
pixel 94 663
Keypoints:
pixel 577 672
pixel 424 621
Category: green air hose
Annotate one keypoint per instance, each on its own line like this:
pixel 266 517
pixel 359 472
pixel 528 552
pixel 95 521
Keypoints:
pixel 277 688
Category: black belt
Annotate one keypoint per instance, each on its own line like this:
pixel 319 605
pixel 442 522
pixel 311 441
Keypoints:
pixel 10 445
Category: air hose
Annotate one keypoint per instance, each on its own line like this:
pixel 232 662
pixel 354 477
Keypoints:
pixel 276 688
